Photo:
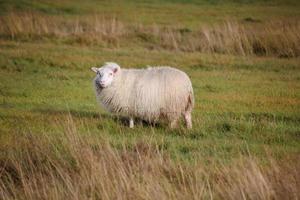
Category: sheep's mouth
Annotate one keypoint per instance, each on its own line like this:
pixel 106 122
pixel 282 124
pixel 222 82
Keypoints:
pixel 99 85
pixel 102 85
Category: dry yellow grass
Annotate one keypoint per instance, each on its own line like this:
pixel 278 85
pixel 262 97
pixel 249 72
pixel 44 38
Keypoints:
pixel 32 25
pixel 73 166
pixel 274 38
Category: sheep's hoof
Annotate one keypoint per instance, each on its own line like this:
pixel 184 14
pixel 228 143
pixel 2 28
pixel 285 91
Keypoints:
pixel 189 127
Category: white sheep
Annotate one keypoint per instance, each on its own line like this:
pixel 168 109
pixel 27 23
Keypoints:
pixel 150 94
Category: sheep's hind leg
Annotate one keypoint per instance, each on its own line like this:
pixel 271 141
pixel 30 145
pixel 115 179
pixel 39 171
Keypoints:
pixel 131 122
pixel 188 119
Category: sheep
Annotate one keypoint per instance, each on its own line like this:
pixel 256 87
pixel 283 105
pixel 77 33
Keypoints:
pixel 150 94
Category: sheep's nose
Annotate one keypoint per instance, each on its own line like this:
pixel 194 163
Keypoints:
pixel 102 83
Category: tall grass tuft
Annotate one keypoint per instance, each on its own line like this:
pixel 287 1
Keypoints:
pixel 87 30
pixel 71 165
pixel 269 39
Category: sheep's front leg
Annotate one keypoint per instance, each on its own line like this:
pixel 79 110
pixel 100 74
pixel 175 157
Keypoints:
pixel 131 122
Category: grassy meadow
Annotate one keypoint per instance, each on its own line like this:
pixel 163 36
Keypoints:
pixel 243 58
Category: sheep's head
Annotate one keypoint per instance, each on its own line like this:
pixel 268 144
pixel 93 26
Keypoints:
pixel 106 74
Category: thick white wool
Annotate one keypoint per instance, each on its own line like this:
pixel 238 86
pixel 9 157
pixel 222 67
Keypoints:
pixel 149 94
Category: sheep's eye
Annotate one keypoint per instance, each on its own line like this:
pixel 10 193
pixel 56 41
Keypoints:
pixel 110 74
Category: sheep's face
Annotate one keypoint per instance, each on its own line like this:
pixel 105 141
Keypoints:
pixel 106 74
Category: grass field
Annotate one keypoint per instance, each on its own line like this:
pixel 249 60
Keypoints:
pixel 243 60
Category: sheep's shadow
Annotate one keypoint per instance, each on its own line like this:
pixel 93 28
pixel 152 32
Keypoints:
pixel 137 121
pixel 96 115
pixel 73 113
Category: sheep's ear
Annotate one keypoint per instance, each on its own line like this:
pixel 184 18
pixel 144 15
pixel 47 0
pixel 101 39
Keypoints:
pixel 95 69
pixel 114 66
pixel 116 69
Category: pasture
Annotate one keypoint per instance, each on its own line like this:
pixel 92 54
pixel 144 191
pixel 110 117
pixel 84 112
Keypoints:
pixel 243 61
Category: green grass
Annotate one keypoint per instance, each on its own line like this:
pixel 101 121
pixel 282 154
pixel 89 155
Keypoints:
pixel 243 104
